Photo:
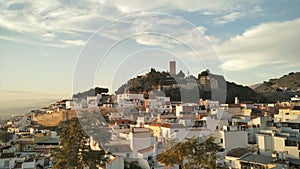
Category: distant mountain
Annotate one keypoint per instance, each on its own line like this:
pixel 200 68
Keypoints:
pixel 286 83
pixel 279 89
pixel 16 110
pixel 255 86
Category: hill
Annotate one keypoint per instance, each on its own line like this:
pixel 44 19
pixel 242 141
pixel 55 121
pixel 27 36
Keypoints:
pixel 181 88
pixel 280 89
pixel 286 83
pixel 91 92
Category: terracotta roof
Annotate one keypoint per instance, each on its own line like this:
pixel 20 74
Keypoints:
pixel 168 117
pixel 142 151
pixel 172 125
pixel 154 124
pixel 114 158
pixel 166 125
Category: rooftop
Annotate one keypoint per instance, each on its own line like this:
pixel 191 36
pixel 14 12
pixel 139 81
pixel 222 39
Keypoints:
pixel 48 141
pixel 238 152
pixel 142 151
pixel 172 125
pixel 258 159
pixel 122 148
pixel 7 155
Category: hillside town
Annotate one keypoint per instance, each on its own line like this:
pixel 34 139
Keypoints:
pixel 248 134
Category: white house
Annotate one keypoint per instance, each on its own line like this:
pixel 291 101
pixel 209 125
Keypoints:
pixel 259 121
pixel 270 142
pixel 141 140
pixel 7 160
pixel 158 104
pixel 69 104
pixel 231 138
pixel 114 162
pixel 129 99
pixel 233 156
pixel 173 130
pixel 93 101
pixel 287 115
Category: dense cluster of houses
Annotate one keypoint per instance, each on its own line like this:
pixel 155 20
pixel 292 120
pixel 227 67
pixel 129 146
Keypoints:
pixel 247 132
pixel 26 145
pixel 251 135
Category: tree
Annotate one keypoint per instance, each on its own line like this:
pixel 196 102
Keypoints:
pixel 181 74
pixel 169 156
pixel 72 139
pixel 74 151
pixel 5 136
pixel 210 148
pixel 194 152
pixel 99 90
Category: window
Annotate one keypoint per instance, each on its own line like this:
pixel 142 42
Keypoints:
pixel 175 131
pixel 28 148
pixel 6 163
pixel 290 143
pixel 221 140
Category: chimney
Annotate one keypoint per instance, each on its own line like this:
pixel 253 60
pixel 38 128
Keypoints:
pixel 158 118
pixel 273 133
pixel 236 100
pixel 155 150
pixel 198 116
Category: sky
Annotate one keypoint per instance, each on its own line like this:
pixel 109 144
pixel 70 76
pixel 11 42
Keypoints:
pixel 51 49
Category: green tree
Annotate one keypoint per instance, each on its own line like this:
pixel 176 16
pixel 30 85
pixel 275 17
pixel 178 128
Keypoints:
pixel 169 156
pixel 5 136
pixel 72 139
pixel 74 151
pixel 193 152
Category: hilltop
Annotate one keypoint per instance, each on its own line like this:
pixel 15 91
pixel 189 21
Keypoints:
pixel 282 88
pixel 286 83
pixel 175 85
pixel 180 87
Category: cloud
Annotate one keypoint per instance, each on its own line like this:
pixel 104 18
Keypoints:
pixel 229 18
pixel 207 7
pixel 74 42
pixel 273 43
pixel 62 44
pixel 50 19
pixel 155 40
